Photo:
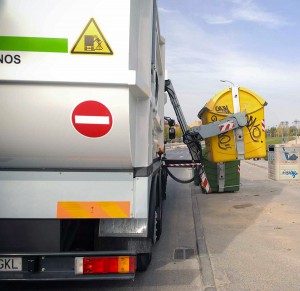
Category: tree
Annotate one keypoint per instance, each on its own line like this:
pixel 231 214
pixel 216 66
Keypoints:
pixel 271 132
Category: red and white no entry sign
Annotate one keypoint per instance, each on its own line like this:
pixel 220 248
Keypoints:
pixel 92 119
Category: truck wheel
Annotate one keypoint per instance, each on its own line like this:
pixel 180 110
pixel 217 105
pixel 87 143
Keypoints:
pixel 155 236
pixel 158 224
pixel 155 211
pixel 159 207
pixel 143 261
pixel 152 219
pixel 164 178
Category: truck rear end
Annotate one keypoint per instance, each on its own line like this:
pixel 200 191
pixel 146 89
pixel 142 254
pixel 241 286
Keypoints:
pixel 81 138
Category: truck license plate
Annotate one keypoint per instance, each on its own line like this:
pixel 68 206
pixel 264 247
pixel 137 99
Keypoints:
pixel 10 264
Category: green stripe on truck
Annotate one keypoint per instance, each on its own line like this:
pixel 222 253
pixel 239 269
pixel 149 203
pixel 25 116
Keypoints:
pixel 34 44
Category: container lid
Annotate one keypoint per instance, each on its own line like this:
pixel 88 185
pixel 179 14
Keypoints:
pixel 222 102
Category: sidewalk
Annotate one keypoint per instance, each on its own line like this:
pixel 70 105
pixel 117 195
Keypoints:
pixel 250 239
pixel 292 142
pixel 262 163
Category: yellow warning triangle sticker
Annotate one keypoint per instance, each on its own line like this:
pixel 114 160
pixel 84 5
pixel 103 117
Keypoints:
pixel 92 41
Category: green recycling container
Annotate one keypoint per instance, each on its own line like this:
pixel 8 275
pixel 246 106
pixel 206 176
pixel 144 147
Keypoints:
pixel 223 177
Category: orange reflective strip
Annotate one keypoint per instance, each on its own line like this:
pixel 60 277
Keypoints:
pixel 71 210
pixel 94 209
pixel 76 209
pixel 113 210
pixel 125 207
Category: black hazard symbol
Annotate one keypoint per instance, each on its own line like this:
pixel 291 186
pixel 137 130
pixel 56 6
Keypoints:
pixel 92 41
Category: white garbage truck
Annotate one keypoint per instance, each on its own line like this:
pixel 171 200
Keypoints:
pixel 83 171
pixel 81 138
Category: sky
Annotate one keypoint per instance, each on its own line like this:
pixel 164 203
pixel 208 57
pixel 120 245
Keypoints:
pixel 252 43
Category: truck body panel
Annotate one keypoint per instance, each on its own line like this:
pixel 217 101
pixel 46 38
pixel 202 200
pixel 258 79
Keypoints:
pixel 81 133
pixel 43 90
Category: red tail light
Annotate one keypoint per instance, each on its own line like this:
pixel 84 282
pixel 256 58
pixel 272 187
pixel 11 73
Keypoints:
pixel 105 265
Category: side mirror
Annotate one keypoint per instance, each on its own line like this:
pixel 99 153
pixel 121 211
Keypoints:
pixel 172 133
pixel 171 122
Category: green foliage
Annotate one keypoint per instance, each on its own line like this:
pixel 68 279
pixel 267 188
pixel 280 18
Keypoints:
pixel 273 140
pixel 179 133
pixel 166 133
pixel 277 140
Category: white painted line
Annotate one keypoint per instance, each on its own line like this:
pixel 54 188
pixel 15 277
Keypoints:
pixel 84 119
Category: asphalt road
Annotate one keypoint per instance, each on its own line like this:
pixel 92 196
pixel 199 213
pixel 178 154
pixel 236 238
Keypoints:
pixel 175 263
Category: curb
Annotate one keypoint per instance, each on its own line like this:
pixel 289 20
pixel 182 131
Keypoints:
pixel 206 270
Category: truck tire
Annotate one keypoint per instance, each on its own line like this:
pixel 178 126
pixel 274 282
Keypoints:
pixel 159 205
pixel 155 209
pixel 152 219
pixel 143 261
pixel 164 178
pixel 158 224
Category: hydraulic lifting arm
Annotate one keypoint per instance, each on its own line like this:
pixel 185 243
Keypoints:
pixel 193 138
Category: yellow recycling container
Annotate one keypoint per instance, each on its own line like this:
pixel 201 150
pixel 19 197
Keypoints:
pixel 222 148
